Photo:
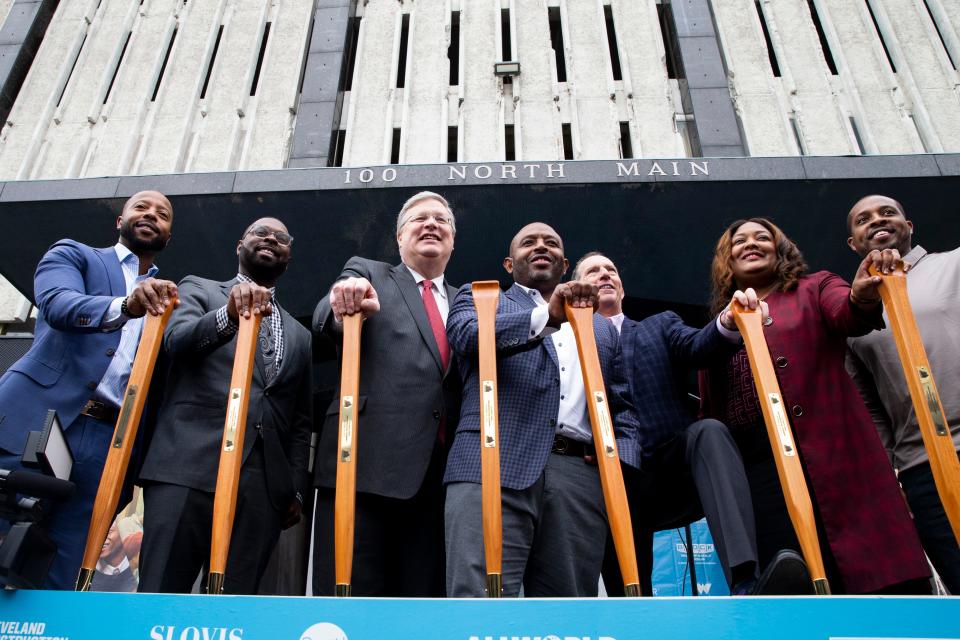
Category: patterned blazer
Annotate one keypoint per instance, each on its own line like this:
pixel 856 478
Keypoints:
pixel 867 524
pixel 657 354
pixel 528 380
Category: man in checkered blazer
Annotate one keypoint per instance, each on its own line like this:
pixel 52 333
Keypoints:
pixel 554 520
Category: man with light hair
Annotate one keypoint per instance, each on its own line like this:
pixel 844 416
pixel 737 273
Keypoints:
pixel 408 404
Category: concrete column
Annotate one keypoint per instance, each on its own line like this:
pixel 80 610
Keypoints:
pixel 706 80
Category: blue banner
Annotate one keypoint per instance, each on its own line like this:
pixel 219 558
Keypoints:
pixel 38 615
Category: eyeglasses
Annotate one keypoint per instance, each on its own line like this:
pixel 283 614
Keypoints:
pixel 262 232
pixel 441 219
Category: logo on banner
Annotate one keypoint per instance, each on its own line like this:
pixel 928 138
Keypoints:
pixel 164 632
pixel 324 631
pixel 13 630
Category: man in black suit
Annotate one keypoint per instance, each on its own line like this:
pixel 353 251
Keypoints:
pixel 409 398
pixel 180 471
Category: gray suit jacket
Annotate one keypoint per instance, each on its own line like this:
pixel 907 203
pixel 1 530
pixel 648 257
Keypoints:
pixel 404 391
pixel 185 445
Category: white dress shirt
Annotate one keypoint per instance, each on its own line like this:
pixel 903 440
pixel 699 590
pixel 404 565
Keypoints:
pixel 114 381
pixel 439 292
pixel 573 421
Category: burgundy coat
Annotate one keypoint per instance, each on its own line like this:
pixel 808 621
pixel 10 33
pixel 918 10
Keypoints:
pixel 864 514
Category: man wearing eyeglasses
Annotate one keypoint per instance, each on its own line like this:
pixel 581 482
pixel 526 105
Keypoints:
pixel 409 399
pixel 180 471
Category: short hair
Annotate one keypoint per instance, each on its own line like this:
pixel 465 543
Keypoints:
pixel 872 195
pixel 420 197
pixel 592 254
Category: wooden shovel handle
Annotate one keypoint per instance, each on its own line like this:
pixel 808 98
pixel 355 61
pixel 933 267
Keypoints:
pixel 344 510
pixel 486 295
pixel 231 450
pixel 782 443
pixel 923 391
pixel 121 445
pixel 605 443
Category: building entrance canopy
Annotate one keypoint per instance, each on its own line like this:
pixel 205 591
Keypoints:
pixel 657 219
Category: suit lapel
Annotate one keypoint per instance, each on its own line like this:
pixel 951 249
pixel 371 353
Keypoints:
pixel 523 298
pixel 111 264
pixel 411 295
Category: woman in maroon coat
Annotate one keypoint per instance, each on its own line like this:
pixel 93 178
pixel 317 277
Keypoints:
pixel 866 536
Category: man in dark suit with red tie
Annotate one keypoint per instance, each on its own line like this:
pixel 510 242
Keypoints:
pixel 409 399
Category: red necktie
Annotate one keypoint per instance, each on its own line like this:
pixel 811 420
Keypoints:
pixel 436 322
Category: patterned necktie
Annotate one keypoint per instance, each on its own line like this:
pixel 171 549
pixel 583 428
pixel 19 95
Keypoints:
pixel 436 322
pixel 268 348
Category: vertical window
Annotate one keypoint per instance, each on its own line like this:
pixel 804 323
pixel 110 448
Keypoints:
pixel 213 59
pixel 824 45
pixel 556 40
pixel 883 42
pixel 626 148
pixel 453 51
pixel 506 45
pixel 402 53
pixel 163 67
pixel 668 31
pixel 263 51
pixel 612 43
pixel 771 54
pixel 353 35
pixel 395 147
pixel 338 142
pixel 116 69
pixel 926 3
pixel 451 144
pixel 567 142
pixel 510 150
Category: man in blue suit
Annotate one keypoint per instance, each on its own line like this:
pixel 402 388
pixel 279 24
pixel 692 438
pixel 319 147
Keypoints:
pixel 689 468
pixel 554 520
pixel 91 303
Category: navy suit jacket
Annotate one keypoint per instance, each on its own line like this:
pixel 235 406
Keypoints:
pixel 657 354
pixel 73 287
pixel 528 381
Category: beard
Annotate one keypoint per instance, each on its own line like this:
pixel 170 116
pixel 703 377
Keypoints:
pixel 138 245
pixel 259 269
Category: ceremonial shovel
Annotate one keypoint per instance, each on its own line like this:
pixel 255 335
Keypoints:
pixel 231 452
pixel 121 446
pixel 923 391
pixel 794 485
pixel 486 294
pixel 611 477
pixel 346 493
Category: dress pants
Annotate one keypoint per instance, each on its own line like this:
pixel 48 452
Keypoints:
pixel 932 524
pixel 68 522
pixel 177 525
pixel 553 534
pixel 398 544
pixel 697 473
